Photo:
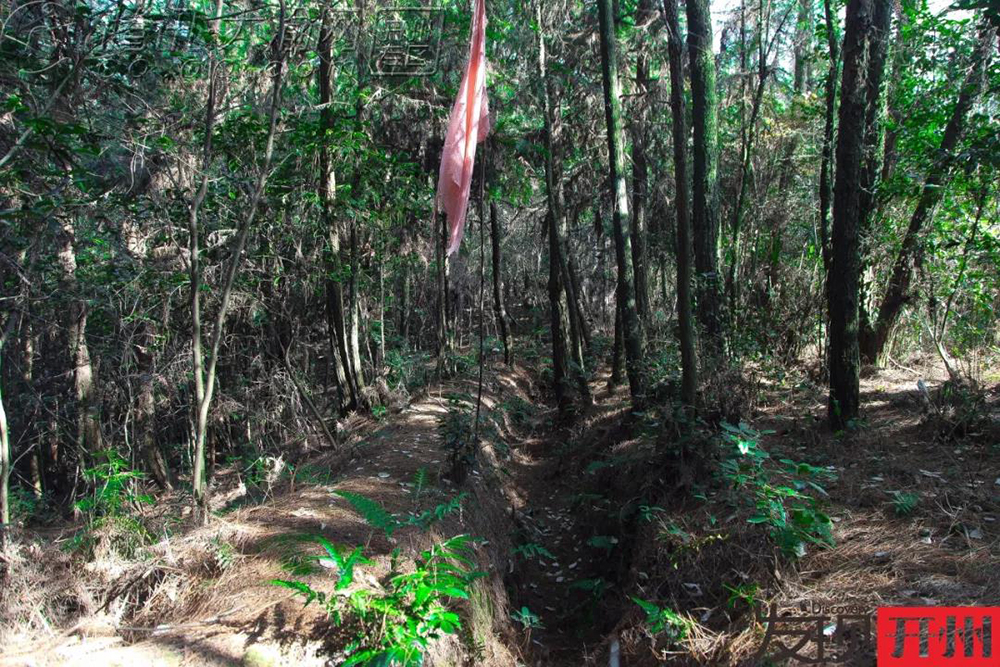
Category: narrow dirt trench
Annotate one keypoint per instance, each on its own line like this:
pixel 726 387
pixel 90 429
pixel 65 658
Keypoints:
pixel 563 559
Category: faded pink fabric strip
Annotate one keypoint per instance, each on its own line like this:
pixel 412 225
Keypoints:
pixel 468 124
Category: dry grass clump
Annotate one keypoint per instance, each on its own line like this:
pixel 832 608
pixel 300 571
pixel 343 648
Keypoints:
pixel 38 593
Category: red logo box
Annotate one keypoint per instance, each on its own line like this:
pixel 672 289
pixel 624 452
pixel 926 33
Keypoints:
pixel 937 636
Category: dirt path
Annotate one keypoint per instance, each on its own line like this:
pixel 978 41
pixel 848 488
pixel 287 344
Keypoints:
pixel 564 567
pixel 233 617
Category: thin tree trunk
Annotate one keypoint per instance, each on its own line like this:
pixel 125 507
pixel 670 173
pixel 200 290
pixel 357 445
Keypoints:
pixel 825 180
pixel 704 209
pixel 5 453
pixel 347 398
pixel 208 382
pixel 898 292
pixel 685 314
pixel 640 172
pixel 802 79
pixel 194 267
pixel 578 300
pixel 499 308
pixel 88 423
pixel 631 327
pixel 749 134
pixel 357 372
pixel 618 350
pixel 560 314
pixel 878 49
pixel 145 421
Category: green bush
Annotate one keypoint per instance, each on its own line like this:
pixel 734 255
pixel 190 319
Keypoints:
pixel 793 516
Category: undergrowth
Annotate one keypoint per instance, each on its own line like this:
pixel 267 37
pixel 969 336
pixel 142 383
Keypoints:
pixel 110 511
pixel 392 623
pixel 783 502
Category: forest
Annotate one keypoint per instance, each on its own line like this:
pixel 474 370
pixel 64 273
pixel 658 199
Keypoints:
pixel 496 332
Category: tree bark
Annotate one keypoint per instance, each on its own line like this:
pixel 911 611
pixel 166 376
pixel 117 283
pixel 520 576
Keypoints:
pixel 558 307
pixel 802 78
pixel 825 181
pixel 685 314
pixel 567 352
pixel 347 398
pixel 704 209
pixel 631 326
pixel 85 394
pixel 878 50
pixel 499 308
pixel 844 278
pixel 640 171
pixel 5 453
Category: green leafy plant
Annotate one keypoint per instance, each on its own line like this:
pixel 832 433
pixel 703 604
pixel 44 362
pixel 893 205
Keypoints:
pixel 904 503
pixel 222 552
pixel 794 518
pixel 372 512
pixel 106 508
pixel 457 436
pixel 595 587
pixel 419 483
pixel 605 542
pixel 745 593
pixel 395 624
pixel 378 517
pixel 528 619
pixel 112 486
pixel 648 512
pixel 664 619
pixel 532 550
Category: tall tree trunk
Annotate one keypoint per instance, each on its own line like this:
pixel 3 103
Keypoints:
pixel 355 370
pixel 87 401
pixel 145 421
pixel 347 398
pixel 749 135
pixel 558 307
pixel 685 314
pixel 354 306
pixel 579 300
pixel 631 326
pixel 878 49
pixel 802 78
pixel 844 278
pixel 898 292
pixel 5 453
pixel 205 368
pixel 825 181
pixel 617 350
pixel 499 308
pixel 198 482
pixel 704 199
pixel 640 170
pixel 441 259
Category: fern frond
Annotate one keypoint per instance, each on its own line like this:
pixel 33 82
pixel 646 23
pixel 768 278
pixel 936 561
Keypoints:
pixel 372 511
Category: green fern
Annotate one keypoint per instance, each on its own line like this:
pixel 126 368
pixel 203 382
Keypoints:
pixel 532 550
pixel 343 564
pixel 419 483
pixel 372 511
pixel 425 519
pixel 904 503
pixel 302 588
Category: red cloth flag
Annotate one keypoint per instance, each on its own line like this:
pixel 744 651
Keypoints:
pixel 468 125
